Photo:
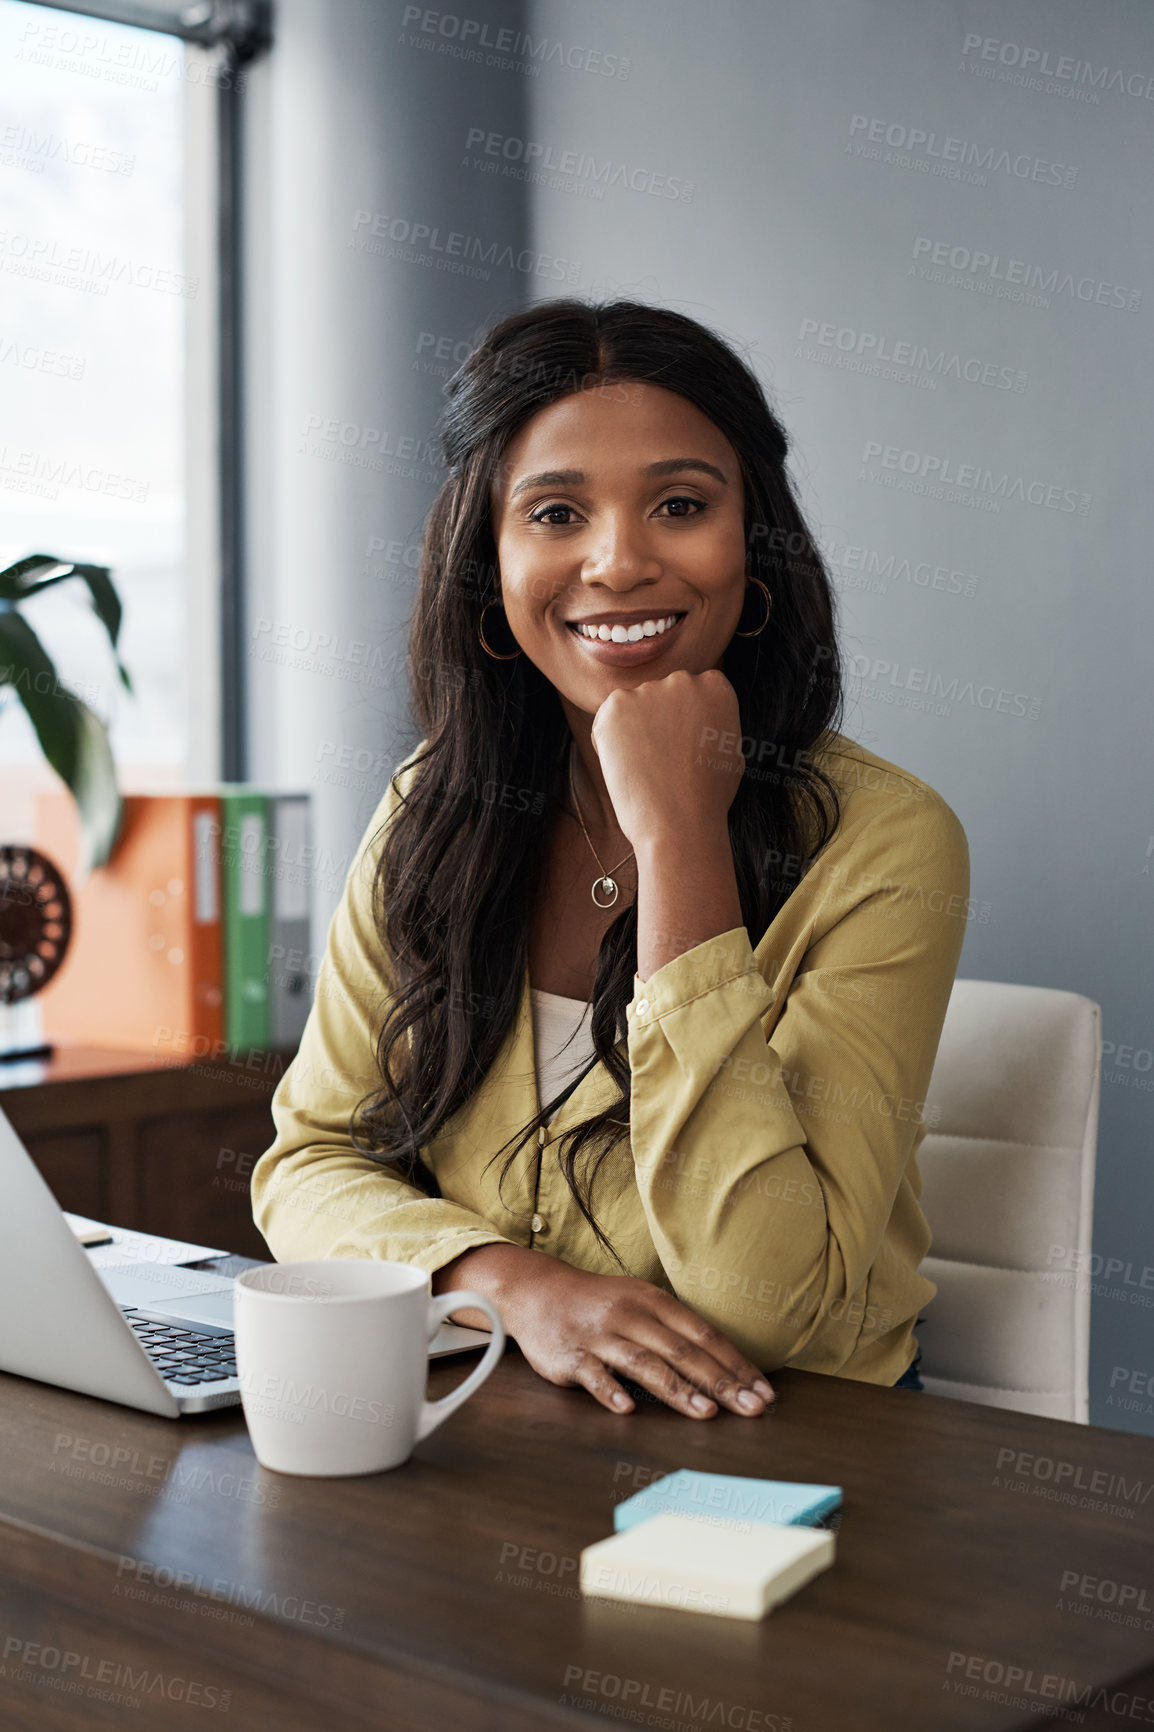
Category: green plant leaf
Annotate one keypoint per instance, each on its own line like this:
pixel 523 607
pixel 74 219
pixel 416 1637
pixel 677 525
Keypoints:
pixel 16 580
pixel 31 576
pixel 24 662
pixel 95 791
pixel 72 737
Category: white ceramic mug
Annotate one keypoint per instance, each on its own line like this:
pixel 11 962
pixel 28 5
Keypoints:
pixel 332 1360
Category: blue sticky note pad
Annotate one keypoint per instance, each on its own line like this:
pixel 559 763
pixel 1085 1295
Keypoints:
pixel 723 1497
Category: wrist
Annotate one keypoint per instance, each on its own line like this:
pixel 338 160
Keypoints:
pixel 686 893
pixel 704 841
pixel 499 1272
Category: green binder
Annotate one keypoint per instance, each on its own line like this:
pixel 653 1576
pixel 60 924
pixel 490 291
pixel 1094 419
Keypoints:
pixel 244 816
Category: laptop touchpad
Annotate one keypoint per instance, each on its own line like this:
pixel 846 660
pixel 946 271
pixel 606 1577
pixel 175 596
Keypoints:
pixel 152 1285
pixel 214 1308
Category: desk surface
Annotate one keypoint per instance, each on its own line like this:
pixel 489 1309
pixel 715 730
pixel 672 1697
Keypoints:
pixel 77 1061
pixel 444 1593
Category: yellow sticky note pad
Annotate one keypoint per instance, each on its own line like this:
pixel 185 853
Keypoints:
pixel 727 1569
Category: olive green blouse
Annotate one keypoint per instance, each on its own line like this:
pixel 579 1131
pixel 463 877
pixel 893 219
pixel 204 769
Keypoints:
pixel 768 1175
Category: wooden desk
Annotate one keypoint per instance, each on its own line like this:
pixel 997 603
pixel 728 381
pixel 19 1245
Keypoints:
pixel 443 1594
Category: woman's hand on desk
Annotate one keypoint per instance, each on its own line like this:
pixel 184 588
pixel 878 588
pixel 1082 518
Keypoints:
pixel 577 1329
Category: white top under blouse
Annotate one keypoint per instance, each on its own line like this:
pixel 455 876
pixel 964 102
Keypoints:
pixel 562 1040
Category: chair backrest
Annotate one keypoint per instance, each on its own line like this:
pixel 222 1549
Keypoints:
pixel 1008 1189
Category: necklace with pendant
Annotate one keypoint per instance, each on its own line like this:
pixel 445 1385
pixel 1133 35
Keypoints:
pixel 606 884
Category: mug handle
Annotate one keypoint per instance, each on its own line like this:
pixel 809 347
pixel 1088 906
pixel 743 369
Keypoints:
pixel 433 1413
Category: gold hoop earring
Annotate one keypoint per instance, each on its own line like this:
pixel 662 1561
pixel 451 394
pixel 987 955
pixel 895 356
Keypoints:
pixel 768 610
pixel 481 635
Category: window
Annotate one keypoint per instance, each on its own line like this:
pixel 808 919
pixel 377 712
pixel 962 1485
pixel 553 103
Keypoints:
pixel 97 292
pixel 119 414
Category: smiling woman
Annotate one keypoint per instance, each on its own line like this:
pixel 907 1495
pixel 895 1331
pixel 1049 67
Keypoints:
pixel 616 564
pixel 726 910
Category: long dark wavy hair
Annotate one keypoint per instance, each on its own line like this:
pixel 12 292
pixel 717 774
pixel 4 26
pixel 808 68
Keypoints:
pixel 460 871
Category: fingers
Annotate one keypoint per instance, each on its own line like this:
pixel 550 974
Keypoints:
pixel 701 1351
pixel 618 1324
pixel 593 1375
pixel 651 1370
pixel 646 1369
pixel 712 1378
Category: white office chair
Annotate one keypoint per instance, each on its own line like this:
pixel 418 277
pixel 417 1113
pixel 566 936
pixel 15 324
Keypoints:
pixel 1008 1171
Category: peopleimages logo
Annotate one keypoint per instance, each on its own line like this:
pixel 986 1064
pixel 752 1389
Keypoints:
pixel 860 567
pixel 914 143
pixel 136 66
pixel 972 479
pixel 875 346
pixel 1033 65
pixel 450 249
pixel 577 165
pixel 36 360
pixel 1072 1475
pixel 32 255
pixel 880 674
pixel 47 473
pixel 24 147
pixel 507 49
pixel 991 268
pixel 76 1674
pixel 1023 1687
pixel 665 1705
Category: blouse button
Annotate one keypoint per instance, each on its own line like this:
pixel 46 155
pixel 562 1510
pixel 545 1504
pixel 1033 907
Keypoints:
pixel 642 1006
pixel 537 1224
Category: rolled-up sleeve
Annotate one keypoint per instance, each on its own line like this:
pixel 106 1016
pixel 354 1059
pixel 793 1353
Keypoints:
pixel 774 1142
pixel 313 1193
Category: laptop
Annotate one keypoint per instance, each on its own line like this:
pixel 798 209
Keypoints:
pixel 145 1333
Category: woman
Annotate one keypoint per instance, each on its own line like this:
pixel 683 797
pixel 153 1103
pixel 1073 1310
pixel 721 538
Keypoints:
pixel 628 1013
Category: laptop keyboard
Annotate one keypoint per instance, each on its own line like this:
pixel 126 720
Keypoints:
pixel 182 1354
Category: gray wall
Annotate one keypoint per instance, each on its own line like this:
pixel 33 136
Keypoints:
pixel 998 640
pixel 355 207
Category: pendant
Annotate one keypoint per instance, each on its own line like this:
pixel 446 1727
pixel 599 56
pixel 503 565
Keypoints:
pixel 609 887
